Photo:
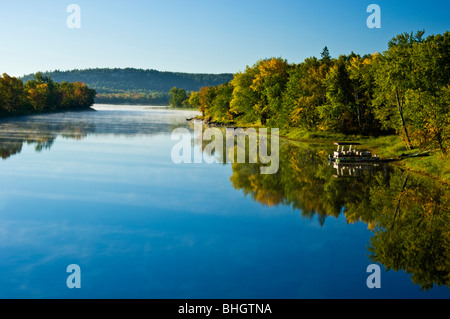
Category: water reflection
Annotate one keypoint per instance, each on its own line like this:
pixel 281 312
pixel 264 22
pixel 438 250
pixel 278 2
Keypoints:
pixel 42 130
pixel 355 170
pixel 33 130
pixel 408 214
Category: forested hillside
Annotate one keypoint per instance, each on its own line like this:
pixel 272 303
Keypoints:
pixel 135 85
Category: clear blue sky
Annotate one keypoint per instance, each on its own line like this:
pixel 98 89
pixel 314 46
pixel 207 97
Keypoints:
pixel 211 36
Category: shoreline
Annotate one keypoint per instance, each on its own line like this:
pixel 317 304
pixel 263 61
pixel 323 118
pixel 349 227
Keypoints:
pixel 19 114
pixel 430 163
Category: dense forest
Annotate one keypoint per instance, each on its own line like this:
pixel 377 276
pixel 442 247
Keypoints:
pixel 42 94
pixel 404 90
pixel 136 86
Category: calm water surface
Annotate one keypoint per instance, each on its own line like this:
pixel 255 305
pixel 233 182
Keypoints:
pixel 99 189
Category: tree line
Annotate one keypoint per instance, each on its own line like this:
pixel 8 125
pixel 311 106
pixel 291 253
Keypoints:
pixel 404 90
pixel 153 98
pixel 42 94
pixel 131 80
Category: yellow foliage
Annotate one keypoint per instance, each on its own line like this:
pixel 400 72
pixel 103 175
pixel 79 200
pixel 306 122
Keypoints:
pixel 268 69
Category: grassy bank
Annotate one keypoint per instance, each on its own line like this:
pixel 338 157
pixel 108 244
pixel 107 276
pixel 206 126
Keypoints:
pixel 434 165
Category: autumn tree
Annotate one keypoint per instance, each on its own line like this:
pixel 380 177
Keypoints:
pixel 305 92
pixel 38 95
pixel 270 82
pixel 404 90
pixel 244 97
pixel 220 108
pixel 42 94
pixel 12 95
pixel 206 99
pixel 194 100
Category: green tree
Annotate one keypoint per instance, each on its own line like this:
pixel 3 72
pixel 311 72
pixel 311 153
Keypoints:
pixel 393 77
pixel 270 82
pixel 177 97
pixel 220 108
pixel 429 96
pixel 194 100
pixel 244 98
pixel 305 92
pixel 38 95
pixel 337 114
pixel 12 95
pixel 42 94
pixel 361 73
pixel 325 56
pixel 207 96
pixel 83 96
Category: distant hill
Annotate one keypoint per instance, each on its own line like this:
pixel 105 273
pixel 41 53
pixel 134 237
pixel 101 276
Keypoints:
pixel 136 80
pixel 135 86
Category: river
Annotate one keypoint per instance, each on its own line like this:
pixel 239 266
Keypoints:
pixel 99 189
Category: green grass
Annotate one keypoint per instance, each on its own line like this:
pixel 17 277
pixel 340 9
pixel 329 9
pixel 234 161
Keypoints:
pixel 387 146
pixel 435 165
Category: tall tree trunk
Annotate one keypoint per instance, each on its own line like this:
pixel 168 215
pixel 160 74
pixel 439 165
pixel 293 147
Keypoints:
pixel 405 130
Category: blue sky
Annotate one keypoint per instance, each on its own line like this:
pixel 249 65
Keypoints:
pixel 199 36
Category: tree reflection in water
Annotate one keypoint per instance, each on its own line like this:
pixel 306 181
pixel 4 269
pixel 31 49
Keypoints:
pixel 42 134
pixel 41 130
pixel 408 214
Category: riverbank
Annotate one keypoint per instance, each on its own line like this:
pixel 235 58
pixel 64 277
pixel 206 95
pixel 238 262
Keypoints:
pixel 430 162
